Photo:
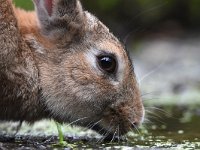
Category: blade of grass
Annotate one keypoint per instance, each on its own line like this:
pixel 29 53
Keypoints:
pixel 62 142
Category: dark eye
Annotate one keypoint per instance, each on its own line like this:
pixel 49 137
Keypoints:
pixel 107 63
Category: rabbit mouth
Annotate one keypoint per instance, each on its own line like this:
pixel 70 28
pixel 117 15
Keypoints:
pixel 115 132
pixel 108 136
pixel 119 120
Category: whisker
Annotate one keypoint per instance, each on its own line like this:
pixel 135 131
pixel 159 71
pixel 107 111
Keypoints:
pixel 138 15
pixel 108 126
pixel 161 111
pixel 125 39
pixel 146 127
pixel 150 93
pixel 118 134
pixel 155 108
pixel 150 99
pixel 151 72
pixel 152 113
pixel 149 10
pixel 102 138
pixel 147 120
pixel 131 130
pixel 76 121
pixel 89 124
pixel 156 119
pixel 135 127
pixel 95 124
pixel 113 135
pixel 106 132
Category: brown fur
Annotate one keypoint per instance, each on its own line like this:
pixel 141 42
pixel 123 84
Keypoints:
pixel 48 68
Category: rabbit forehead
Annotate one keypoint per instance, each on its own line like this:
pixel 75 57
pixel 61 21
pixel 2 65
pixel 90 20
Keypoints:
pixel 112 47
pixel 93 22
pixel 107 41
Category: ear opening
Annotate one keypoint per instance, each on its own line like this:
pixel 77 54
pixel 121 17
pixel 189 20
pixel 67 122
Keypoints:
pixel 60 17
pixel 45 4
pixel 49 6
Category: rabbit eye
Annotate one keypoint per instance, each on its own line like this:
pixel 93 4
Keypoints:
pixel 107 64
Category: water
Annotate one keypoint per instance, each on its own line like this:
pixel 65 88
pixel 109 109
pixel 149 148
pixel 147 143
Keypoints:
pixel 180 130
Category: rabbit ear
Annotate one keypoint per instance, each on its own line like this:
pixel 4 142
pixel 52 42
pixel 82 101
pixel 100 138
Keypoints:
pixel 59 18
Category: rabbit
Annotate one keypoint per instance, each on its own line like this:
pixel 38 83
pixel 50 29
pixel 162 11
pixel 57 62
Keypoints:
pixel 60 62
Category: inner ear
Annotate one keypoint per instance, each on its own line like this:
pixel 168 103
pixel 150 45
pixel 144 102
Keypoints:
pixel 49 6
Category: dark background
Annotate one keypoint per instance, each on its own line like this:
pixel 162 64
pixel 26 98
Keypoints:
pixel 139 18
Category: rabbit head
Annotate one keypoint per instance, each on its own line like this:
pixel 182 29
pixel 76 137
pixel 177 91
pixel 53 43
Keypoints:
pixel 86 75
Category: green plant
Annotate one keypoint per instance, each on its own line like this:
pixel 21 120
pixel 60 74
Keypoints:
pixel 62 142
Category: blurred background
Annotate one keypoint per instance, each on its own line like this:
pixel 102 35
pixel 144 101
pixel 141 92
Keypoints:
pixel 140 17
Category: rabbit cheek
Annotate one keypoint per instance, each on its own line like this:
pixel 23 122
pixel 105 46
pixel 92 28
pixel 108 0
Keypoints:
pixel 80 77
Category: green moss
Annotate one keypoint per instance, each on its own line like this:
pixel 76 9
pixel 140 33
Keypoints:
pixel 25 4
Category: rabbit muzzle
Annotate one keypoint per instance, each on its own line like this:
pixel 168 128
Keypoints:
pixel 120 118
